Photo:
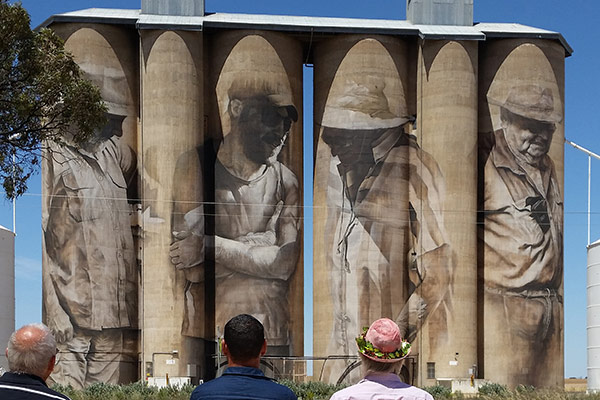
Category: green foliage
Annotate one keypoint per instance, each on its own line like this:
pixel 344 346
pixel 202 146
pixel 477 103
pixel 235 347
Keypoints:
pixel 312 390
pixel 66 390
pixel 134 391
pixel 525 389
pixel 439 391
pixel 43 96
pixel 494 389
pixel 141 391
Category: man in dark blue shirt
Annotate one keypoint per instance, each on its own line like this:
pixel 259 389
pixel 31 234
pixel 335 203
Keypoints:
pixel 31 355
pixel 243 345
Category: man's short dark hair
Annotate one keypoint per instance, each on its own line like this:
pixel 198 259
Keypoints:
pixel 244 336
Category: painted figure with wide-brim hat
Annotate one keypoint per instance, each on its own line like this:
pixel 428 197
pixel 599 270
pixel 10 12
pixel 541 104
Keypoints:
pixel 522 234
pixel 382 226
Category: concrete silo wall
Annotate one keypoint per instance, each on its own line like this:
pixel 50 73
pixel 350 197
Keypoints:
pixel 193 192
pixel 255 84
pixel 593 317
pixel 521 136
pixel 89 221
pixel 447 130
pixel 381 248
pixel 172 80
pixel 7 290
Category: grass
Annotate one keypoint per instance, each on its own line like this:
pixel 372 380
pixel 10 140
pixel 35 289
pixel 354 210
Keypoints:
pixel 313 391
pixel 495 391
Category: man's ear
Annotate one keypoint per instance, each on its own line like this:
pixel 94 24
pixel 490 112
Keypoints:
pixel 263 349
pixel 6 352
pixel 235 107
pixel 49 368
pixel 224 347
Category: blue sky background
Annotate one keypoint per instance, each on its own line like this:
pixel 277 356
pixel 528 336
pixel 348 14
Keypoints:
pixel 576 20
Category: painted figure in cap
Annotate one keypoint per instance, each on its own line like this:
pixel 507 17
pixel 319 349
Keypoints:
pixel 90 274
pixel 523 238
pixel 386 245
pixel 255 242
pixel 381 351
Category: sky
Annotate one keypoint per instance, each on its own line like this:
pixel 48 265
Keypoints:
pixel 575 19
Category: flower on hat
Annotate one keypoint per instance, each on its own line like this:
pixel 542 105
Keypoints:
pixel 385 344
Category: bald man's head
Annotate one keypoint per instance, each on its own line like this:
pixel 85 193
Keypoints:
pixel 32 350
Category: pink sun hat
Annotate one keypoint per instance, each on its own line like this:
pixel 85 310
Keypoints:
pixel 382 342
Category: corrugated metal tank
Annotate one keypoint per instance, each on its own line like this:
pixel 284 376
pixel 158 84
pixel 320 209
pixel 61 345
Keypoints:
pixel 7 290
pixel 436 12
pixel 593 317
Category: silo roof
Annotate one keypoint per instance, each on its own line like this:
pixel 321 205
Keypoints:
pixel 594 244
pixel 2 228
pixel 479 31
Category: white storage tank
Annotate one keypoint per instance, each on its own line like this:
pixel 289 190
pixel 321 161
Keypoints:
pixel 593 317
pixel 7 290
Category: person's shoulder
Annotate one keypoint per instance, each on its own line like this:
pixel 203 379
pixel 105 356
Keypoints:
pixel 354 391
pixel 286 175
pixel 207 389
pixel 26 387
pixel 419 394
pixel 219 388
pixel 281 392
pixel 64 396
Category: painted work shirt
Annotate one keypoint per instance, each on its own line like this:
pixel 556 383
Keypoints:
pixel 388 243
pixel 381 386
pixel 256 217
pixel 523 224
pixel 90 270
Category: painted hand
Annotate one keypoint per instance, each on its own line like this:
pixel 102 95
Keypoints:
pixel 187 250
pixel 60 325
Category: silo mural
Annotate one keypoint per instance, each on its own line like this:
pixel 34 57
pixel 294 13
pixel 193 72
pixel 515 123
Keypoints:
pixel 438 191
pixel 385 250
pixel 237 224
pixel 90 264
pixel 521 162
pixel 447 127
pixel 172 100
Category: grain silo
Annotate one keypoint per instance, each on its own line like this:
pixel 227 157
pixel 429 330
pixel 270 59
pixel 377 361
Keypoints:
pixel 7 289
pixel 593 317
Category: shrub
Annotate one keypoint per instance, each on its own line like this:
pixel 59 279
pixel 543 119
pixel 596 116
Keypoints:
pixel 65 389
pixel 525 389
pixel 439 391
pixel 312 390
pixel 493 389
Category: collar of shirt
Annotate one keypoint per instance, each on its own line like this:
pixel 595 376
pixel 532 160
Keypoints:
pixel 386 379
pixel 246 371
pixel 11 377
pixel 385 143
